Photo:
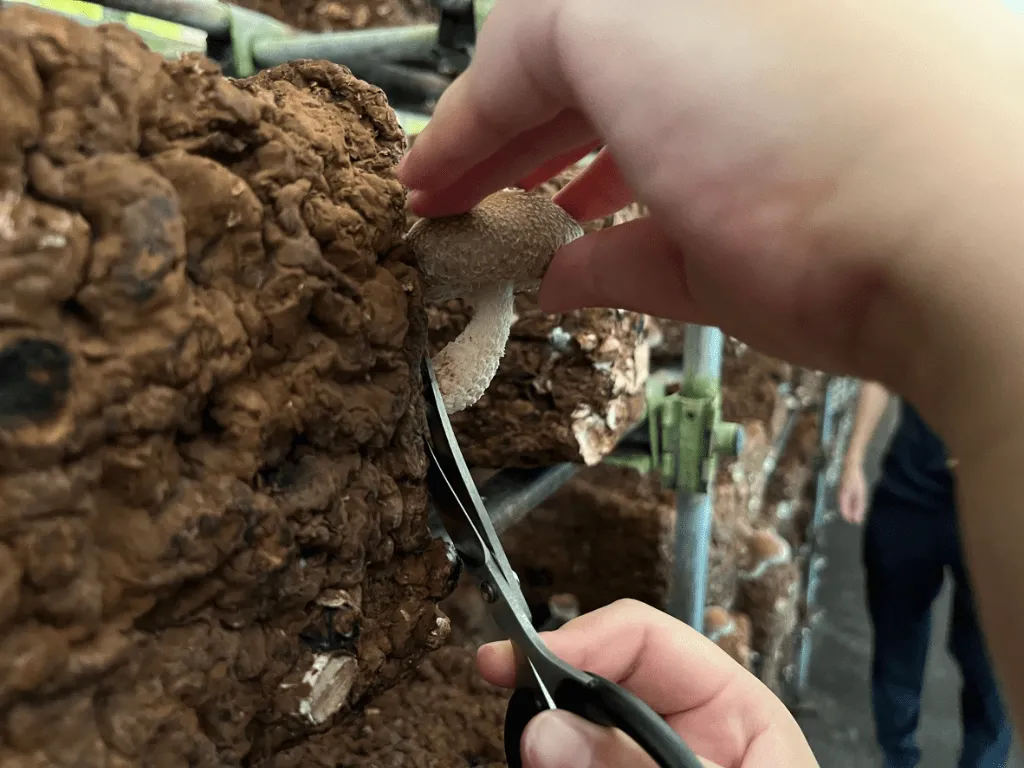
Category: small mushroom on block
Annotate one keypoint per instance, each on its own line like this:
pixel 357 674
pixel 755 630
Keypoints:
pixel 487 255
pixel 731 632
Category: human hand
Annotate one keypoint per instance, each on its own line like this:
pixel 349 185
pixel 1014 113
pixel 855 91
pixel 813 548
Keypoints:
pixel 726 715
pixel 810 168
pixel 853 492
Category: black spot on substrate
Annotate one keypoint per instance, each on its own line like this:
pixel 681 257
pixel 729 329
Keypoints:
pixel 35 376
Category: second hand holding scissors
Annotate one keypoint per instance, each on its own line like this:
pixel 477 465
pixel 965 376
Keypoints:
pixel 543 681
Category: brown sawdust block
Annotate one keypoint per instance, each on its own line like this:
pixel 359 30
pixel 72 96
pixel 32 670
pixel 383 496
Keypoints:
pixel 339 15
pixel 569 386
pixel 606 535
pixel 790 518
pixel 668 343
pixel 212 502
pixel 793 479
pixel 751 386
pixel 444 716
pixel 726 541
pixel 738 495
pixel 748 471
pixel 731 632
pixel 768 591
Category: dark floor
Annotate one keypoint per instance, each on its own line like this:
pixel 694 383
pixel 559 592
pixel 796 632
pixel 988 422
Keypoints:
pixel 836 714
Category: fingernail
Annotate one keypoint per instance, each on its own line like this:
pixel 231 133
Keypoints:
pixel 558 739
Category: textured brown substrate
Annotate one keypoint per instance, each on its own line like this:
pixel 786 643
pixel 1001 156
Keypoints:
pixel 329 15
pixel 569 386
pixel 445 716
pixel 212 509
pixel 731 632
pixel 768 592
pixel 753 386
pixel 606 535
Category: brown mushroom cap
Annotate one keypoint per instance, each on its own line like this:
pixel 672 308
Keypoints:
pixel 511 235
pixel 767 545
pixel 717 621
pixel 764 549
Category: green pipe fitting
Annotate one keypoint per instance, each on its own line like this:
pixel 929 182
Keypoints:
pixel 249 28
pixel 687 434
pixel 727 439
pixel 481 9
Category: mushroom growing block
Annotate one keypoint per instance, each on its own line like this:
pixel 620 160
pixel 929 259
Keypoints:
pixel 731 632
pixel 568 387
pixel 790 493
pixel 213 531
pixel 444 716
pixel 768 592
pixel 606 535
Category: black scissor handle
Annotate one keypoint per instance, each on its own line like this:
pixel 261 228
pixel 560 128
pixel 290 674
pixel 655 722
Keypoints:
pixel 602 702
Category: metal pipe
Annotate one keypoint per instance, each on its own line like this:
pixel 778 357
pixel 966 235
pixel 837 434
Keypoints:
pixel 401 83
pixel 211 17
pixel 812 564
pixel 416 42
pixel 702 358
pixel 771 461
pixel 513 493
pixel 702 351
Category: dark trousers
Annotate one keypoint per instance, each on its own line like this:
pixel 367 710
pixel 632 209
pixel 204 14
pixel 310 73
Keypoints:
pixel 907 551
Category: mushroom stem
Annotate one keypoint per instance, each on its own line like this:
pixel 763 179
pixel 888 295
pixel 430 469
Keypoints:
pixel 466 366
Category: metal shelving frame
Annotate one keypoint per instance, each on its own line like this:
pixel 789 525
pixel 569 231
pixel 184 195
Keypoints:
pixel 835 421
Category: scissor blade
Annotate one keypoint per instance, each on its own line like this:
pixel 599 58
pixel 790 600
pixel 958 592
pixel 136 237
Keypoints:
pixel 447 455
pixel 445 451
pixel 450 509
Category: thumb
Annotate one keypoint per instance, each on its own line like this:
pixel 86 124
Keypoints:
pixel 560 739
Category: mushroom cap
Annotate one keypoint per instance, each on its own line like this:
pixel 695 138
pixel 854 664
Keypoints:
pixel 511 235
pixel 763 550
pixel 717 621
pixel 767 545
pixel 743 625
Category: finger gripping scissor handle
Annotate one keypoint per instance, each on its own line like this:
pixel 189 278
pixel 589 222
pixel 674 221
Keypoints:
pixel 602 702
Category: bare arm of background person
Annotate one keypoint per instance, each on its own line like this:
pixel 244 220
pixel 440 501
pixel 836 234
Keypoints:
pixel 853 489
pixel 838 183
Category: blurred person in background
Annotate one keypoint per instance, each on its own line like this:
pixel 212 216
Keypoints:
pixel 910 540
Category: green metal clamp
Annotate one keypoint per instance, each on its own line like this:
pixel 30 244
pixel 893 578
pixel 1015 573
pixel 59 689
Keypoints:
pixel 248 27
pixel 686 434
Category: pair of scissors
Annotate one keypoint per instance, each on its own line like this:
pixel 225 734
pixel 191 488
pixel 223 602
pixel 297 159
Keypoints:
pixel 543 681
